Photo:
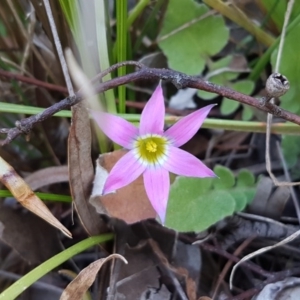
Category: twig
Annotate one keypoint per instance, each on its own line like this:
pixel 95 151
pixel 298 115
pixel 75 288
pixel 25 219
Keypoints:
pixel 59 49
pixel 270 116
pixel 255 268
pixel 24 33
pixel 112 68
pixel 227 266
pixel 33 81
pixel 261 251
pixel 180 80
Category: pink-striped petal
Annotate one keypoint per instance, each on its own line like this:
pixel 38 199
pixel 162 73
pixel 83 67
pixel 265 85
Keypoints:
pixel 157 185
pixel 186 128
pixel 185 164
pixel 153 114
pixel 126 170
pixel 117 129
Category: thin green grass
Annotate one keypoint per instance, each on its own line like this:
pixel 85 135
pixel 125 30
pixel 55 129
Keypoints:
pixel 121 49
pixel 265 58
pixel 27 280
pixel 42 196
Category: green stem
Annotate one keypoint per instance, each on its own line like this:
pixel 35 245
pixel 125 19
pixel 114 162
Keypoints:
pixel 136 11
pixel 27 280
pixel 42 196
pixel 148 23
pixel 121 49
pixel 278 128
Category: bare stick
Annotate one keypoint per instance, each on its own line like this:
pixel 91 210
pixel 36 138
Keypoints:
pixel 34 81
pixel 180 80
pixel 59 49
pixel 270 116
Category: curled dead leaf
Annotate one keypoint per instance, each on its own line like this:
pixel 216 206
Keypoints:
pixel 78 287
pixel 129 203
pixel 81 170
pixel 26 197
pixel 26 232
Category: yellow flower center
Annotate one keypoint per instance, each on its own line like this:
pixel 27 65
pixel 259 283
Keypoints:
pixel 151 149
pixel 151 146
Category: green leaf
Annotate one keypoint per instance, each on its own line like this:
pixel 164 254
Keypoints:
pixel 192 207
pixel 218 75
pixel 240 199
pixel 3 31
pixel 225 180
pixel 188 48
pixel 245 178
pixel 34 275
pixel 277 10
pixel 228 106
pixel 247 113
pixel 291 149
pixel 197 203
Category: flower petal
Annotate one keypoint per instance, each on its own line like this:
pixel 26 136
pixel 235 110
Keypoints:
pixel 157 185
pixel 117 129
pixel 186 128
pixel 153 114
pixel 185 164
pixel 126 170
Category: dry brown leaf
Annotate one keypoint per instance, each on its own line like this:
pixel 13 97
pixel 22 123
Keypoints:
pixel 81 171
pixel 78 287
pixel 129 203
pixel 191 288
pixel 26 197
pixel 26 233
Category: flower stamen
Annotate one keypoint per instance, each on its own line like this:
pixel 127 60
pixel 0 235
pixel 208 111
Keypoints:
pixel 151 149
pixel 151 146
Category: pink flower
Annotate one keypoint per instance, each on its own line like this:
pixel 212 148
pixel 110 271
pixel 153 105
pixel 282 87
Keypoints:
pixel 153 152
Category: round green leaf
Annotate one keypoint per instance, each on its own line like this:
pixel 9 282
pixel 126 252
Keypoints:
pixel 291 149
pixel 240 199
pixel 226 178
pixel 247 113
pixel 193 207
pixel 187 48
pixel 197 203
pixel 228 106
pixel 245 178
